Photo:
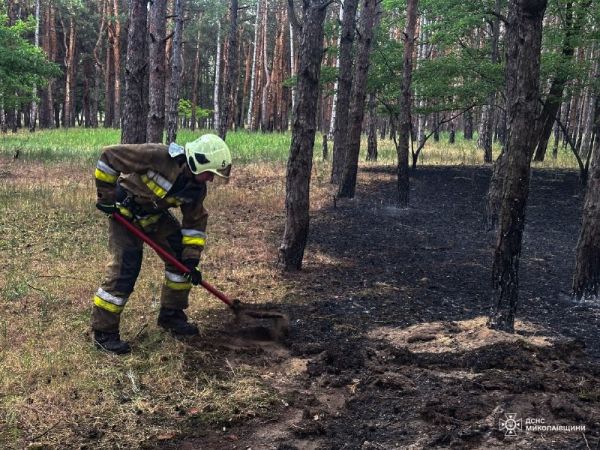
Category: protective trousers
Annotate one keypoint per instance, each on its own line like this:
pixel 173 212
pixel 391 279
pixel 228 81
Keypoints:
pixel 122 271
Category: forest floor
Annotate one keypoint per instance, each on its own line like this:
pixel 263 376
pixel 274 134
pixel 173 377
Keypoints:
pixel 388 346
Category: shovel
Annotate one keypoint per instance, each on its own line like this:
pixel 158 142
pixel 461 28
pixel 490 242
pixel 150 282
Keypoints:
pixel 280 322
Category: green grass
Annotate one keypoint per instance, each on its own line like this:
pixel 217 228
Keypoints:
pixel 82 146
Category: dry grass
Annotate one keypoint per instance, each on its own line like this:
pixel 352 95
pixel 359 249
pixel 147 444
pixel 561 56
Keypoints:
pixel 56 390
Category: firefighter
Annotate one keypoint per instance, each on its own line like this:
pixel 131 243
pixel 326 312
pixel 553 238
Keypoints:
pixel 142 181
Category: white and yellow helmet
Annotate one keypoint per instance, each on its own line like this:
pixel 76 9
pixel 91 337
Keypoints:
pixel 208 153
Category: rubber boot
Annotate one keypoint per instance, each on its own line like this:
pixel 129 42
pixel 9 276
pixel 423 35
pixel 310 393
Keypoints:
pixel 111 342
pixel 175 321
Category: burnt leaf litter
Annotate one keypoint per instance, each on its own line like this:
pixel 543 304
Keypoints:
pixel 388 346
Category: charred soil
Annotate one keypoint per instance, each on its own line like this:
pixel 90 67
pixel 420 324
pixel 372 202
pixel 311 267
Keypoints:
pixel 388 346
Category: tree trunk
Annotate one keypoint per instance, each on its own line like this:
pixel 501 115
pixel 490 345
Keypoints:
pixel 109 85
pixel 452 134
pixel 231 69
pixel 335 86
pixel 117 65
pixel 299 166
pixel 344 88
pixel 586 279
pixel 217 83
pixel 372 139
pixel 486 128
pixel 524 35
pixel 36 41
pixel 250 119
pixel 135 119
pixel 405 103
pixel 368 19
pixel 70 46
pixel 468 128
pixel 95 98
pixel 175 74
pixel 46 110
pixel 156 95
pixel 195 82
pixel 554 97
pixel 266 89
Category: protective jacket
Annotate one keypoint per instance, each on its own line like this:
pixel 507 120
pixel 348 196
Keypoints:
pixel 155 181
pixel 144 181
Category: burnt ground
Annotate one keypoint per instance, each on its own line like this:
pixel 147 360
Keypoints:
pixel 388 346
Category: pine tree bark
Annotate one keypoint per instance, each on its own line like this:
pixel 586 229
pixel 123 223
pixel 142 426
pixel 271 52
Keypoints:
pixel 231 70
pixel 523 46
pixel 133 130
pixel 586 279
pixel 175 81
pixel 344 88
pixel 299 166
pixel 156 94
pixel 347 186
pixel 404 120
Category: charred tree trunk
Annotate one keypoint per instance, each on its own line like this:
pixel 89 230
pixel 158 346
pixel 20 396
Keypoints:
pixel 134 118
pixel 231 69
pixel 347 185
pixel 404 120
pixel 156 95
pixel 586 279
pixel 524 35
pixel 344 88
pixel 175 82
pixel 299 167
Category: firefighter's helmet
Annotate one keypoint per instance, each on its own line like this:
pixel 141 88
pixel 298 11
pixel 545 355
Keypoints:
pixel 208 153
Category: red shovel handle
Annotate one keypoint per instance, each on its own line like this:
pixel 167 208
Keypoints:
pixel 166 256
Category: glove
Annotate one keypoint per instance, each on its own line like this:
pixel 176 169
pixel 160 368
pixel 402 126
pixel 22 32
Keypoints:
pixel 194 276
pixel 107 208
